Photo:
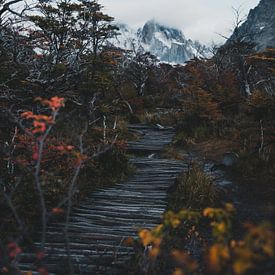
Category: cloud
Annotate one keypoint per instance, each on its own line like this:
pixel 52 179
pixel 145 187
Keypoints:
pixel 199 19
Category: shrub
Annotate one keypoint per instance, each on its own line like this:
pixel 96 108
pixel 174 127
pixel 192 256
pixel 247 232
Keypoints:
pixel 170 245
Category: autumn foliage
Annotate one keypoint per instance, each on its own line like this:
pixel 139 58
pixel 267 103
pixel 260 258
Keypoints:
pixel 169 244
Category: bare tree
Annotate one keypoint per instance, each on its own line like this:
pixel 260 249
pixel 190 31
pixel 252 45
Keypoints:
pixel 138 68
pixel 235 52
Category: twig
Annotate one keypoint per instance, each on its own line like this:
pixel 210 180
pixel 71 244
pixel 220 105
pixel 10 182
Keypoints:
pixel 41 143
pixel 262 137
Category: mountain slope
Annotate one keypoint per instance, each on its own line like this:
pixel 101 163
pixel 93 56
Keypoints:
pixel 259 28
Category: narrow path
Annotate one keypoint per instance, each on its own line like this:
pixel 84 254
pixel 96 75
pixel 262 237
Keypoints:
pixel 100 224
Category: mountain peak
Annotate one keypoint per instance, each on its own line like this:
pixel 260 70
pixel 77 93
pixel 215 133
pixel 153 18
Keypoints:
pixel 153 28
pixel 168 44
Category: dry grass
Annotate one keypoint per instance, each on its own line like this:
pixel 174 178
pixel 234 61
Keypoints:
pixel 170 117
pixel 171 152
pixel 194 189
pixel 214 149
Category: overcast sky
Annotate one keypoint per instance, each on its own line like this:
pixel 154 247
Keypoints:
pixel 198 19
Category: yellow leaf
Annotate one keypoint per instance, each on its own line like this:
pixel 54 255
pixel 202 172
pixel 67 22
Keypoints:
pixel 158 229
pixel 229 207
pixel 154 252
pixel 241 267
pixel 145 236
pixel 207 212
pixel 222 227
pixel 175 222
pixel 218 255
pixel 178 271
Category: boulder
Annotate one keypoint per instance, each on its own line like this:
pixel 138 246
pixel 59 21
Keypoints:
pixel 229 159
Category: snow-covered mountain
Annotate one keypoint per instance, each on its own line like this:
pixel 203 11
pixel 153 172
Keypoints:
pixel 166 43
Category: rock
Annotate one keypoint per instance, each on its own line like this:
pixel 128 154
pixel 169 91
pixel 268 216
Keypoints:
pixel 229 159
